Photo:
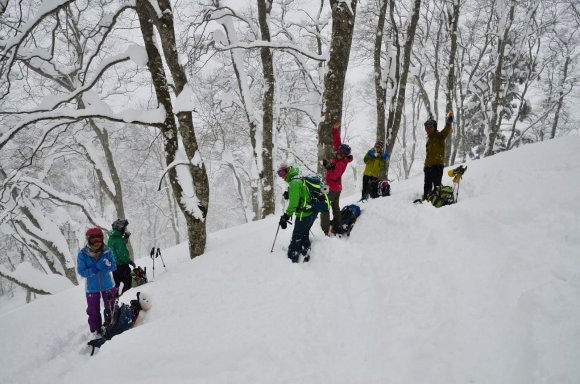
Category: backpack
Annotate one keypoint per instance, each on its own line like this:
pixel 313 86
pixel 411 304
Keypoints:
pixel 317 192
pixel 442 195
pixel 349 215
pixel 379 188
pixel 138 276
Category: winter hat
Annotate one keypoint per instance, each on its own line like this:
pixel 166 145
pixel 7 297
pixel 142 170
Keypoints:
pixel 94 232
pixel 379 143
pixel 144 301
pixel 283 170
pixel 120 225
pixel 430 123
pixel 345 149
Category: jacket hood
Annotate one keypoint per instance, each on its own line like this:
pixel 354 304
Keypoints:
pixel 115 233
pixel 292 173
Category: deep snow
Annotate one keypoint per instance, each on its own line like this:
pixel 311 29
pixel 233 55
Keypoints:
pixel 485 291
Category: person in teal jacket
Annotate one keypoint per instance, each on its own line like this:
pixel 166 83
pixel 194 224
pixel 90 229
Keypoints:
pixel 299 205
pixel 96 262
pixel 118 244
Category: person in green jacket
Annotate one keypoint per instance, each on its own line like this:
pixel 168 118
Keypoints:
pixel 299 205
pixel 375 160
pixel 435 155
pixel 118 244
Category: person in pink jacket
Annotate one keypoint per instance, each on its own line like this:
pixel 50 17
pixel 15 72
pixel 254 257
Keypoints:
pixel 334 170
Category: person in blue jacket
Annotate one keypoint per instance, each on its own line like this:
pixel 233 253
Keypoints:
pixel 96 263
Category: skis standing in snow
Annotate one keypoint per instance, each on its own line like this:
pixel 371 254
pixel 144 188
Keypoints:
pixel 96 262
pixel 334 170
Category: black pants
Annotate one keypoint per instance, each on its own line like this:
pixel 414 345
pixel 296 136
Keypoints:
pixel 122 274
pixel 433 177
pixel 365 186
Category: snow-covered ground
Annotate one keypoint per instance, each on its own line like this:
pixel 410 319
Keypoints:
pixel 485 291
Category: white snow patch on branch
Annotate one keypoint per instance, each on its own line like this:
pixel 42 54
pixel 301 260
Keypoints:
pixel 34 278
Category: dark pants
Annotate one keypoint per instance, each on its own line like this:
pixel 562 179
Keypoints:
pixel 300 243
pixel 334 198
pixel 123 275
pixel 365 186
pixel 433 177
pixel 94 307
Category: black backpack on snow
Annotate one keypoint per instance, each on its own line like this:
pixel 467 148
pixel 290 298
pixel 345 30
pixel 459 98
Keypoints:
pixel 349 215
pixel 379 188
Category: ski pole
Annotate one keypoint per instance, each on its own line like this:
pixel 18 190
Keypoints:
pixel 159 254
pixel 153 258
pixel 272 250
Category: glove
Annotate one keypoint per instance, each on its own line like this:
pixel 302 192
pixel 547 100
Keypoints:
pixel 285 195
pixel 449 118
pixel 372 154
pixel 327 164
pixel 284 220
pixel 386 155
pixel 94 270
pixel 103 264
pixel 126 235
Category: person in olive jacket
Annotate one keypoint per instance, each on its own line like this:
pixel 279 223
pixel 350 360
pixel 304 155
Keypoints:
pixel 299 204
pixel 118 244
pixel 435 155
pixel 375 160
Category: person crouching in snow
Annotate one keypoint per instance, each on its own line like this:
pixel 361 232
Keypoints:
pixel 299 204
pixel 334 170
pixel 124 318
pixel 96 262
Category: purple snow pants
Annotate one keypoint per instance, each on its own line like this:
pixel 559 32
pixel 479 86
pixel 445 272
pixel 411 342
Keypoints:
pixel 94 307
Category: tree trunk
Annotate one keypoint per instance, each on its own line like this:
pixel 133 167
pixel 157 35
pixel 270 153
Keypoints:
pixel 380 83
pixel 496 115
pixel 342 28
pixel 195 220
pixel 403 82
pixel 451 77
pixel 267 176
pixel 560 99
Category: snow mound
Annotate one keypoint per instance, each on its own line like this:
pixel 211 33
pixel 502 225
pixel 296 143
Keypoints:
pixel 483 291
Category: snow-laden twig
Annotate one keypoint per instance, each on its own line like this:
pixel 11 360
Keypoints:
pixel 278 46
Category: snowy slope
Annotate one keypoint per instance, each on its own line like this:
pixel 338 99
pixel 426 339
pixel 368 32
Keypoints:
pixel 486 291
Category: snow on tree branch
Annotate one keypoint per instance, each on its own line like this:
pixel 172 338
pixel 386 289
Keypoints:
pixel 154 117
pixel 279 46
pixel 34 280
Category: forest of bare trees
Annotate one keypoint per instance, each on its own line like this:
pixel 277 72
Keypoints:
pixel 175 114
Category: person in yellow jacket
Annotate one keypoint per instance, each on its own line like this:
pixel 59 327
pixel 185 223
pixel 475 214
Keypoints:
pixel 375 160
pixel 435 154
